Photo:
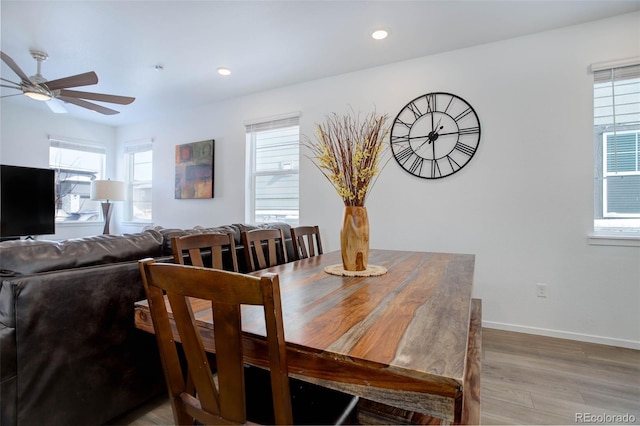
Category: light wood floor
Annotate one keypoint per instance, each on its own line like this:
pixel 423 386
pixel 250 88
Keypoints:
pixel 529 380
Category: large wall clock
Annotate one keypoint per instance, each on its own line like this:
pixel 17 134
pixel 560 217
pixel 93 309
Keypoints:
pixel 435 135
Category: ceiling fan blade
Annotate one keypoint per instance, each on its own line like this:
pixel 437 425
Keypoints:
pixel 114 99
pixel 8 96
pixel 7 60
pixel 89 105
pixel 85 79
pixel 10 87
pixel 9 81
pixel 56 106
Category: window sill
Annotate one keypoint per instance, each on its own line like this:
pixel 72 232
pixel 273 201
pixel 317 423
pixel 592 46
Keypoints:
pixel 611 239
pixel 81 223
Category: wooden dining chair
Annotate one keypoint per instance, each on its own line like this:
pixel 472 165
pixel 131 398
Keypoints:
pixel 197 244
pixel 264 248
pixel 304 249
pixel 221 398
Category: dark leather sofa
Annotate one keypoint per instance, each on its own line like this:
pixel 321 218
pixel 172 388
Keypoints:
pixel 236 230
pixel 69 351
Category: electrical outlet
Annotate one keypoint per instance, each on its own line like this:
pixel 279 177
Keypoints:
pixel 541 290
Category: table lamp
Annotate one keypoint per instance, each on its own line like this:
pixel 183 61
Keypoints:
pixel 107 191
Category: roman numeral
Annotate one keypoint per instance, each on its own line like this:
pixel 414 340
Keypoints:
pixel 399 139
pixel 415 110
pixel 469 131
pixel 452 162
pixel 463 114
pixel 435 169
pixel 398 121
pixel 404 154
pixel 431 103
pixel 465 149
pixel 417 165
pixel 448 105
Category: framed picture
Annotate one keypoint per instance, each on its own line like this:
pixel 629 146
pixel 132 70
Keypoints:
pixel 194 170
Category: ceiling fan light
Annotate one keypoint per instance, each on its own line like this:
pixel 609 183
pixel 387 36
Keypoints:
pixel 38 94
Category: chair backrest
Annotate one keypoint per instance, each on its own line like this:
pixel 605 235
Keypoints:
pixel 223 402
pixel 304 249
pixel 255 242
pixel 195 244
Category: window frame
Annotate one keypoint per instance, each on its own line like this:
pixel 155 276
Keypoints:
pixel 80 146
pixel 606 214
pixel 253 129
pixel 130 152
pixel 614 113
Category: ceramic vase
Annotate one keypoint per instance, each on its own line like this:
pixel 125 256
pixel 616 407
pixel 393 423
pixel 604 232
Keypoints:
pixel 354 238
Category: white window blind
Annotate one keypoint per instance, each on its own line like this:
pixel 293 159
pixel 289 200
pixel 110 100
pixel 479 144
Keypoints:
pixel 617 147
pixel 76 165
pixel 139 162
pixel 274 164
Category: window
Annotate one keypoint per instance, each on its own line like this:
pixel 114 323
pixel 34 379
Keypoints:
pixel 273 171
pixel 139 163
pixel 76 165
pixel 616 94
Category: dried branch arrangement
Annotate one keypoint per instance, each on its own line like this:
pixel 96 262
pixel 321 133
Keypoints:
pixel 348 151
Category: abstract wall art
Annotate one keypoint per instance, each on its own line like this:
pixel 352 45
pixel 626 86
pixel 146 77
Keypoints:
pixel 194 170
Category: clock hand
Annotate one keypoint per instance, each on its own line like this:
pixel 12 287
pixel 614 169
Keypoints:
pixel 432 126
pixel 430 135
pixel 433 148
pixel 438 125
pixel 448 133
pixel 418 137
pixel 433 135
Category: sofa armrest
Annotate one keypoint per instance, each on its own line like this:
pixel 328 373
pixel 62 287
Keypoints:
pixel 75 336
pixel 8 367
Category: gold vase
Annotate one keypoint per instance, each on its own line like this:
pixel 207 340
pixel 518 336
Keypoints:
pixel 354 238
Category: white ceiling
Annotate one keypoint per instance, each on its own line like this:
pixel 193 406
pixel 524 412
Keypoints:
pixel 266 44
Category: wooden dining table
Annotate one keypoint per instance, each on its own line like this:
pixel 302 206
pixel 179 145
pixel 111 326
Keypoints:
pixel 401 338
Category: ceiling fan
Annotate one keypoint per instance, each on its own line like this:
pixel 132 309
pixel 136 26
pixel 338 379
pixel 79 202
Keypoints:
pixel 38 88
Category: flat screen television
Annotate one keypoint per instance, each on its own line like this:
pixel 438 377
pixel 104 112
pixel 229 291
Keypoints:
pixel 27 201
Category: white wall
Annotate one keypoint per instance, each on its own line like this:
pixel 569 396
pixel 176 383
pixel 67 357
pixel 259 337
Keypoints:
pixel 523 205
pixel 24 141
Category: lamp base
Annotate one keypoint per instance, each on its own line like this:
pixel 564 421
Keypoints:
pixel 106 213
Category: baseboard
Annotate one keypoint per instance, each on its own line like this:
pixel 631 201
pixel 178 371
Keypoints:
pixel 630 344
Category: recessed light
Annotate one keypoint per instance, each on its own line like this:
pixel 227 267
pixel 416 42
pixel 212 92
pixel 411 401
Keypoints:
pixel 224 71
pixel 379 34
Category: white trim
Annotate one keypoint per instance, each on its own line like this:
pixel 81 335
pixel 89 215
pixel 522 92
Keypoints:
pixel 139 141
pixel 138 145
pixel 623 343
pixel 609 239
pixel 618 63
pixel 285 116
pixel 74 141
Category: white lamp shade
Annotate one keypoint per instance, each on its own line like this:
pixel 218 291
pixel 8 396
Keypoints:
pixel 109 190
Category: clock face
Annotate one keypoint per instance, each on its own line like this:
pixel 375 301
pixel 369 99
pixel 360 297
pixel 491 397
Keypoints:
pixel 435 135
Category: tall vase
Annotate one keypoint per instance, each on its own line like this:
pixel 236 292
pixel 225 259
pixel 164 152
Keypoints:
pixel 354 238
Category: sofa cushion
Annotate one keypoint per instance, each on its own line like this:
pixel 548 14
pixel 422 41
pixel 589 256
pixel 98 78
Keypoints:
pixel 286 228
pixel 226 229
pixel 29 256
pixel 236 229
pixel 168 233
